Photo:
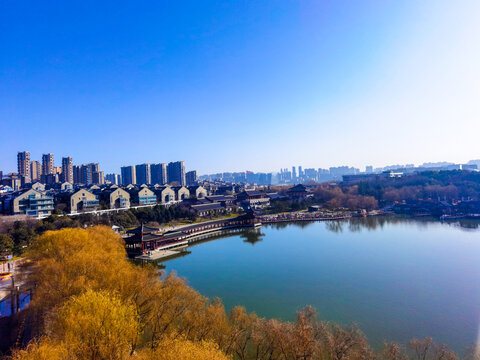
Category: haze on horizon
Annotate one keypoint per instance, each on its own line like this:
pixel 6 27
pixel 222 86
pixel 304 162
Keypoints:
pixel 240 85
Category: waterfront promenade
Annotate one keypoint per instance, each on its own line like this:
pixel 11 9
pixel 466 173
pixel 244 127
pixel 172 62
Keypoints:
pixel 314 216
pixel 302 216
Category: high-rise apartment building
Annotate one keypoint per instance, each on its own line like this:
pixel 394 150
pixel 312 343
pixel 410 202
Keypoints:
pixel 143 174
pixel 98 178
pixel 191 178
pixel 159 173
pixel 35 170
pixel 77 174
pixel 48 164
pixel 176 172
pixel 50 178
pixel 23 163
pixel 128 175
pixel 67 169
pixel 87 172
pixel 86 175
pixel 114 179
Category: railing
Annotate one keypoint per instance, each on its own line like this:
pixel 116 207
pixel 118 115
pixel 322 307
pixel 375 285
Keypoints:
pixel 97 212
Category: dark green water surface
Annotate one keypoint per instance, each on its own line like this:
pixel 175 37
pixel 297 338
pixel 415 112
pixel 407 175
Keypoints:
pixel 396 278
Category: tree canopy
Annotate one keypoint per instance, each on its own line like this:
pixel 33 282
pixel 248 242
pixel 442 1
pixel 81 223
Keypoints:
pixel 90 302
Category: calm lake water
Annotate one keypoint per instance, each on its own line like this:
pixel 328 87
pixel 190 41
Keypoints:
pixel 396 278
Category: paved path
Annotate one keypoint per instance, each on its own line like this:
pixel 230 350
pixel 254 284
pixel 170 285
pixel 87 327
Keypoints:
pixel 6 285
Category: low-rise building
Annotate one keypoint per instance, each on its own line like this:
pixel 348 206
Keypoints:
pixel 38 186
pixel 212 209
pixel 253 199
pixel 165 194
pixel 197 191
pixel 298 192
pixel 116 198
pixel 227 201
pixel 66 186
pixel 83 200
pixel 143 196
pixel 30 202
pixel 181 193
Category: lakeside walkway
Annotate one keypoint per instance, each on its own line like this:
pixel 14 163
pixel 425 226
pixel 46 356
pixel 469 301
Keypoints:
pixel 269 219
pixel 312 216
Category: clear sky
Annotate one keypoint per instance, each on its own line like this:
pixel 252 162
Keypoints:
pixel 240 85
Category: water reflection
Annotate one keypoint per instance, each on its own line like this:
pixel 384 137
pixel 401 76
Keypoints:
pixel 335 226
pixel 373 223
pixel 283 225
pixel 252 236
pixel 8 305
pixel 468 224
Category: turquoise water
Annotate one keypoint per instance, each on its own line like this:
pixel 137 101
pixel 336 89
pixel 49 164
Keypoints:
pixel 396 278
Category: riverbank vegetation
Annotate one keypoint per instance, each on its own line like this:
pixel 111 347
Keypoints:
pixel 434 192
pixel 15 237
pixel 90 302
pixel 435 185
pixel 329 197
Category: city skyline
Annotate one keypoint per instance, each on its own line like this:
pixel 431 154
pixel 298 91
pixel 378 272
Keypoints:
pixel 158 171
pixel 336 84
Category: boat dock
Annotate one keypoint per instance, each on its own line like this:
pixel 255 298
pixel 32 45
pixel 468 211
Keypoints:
pixel 161 254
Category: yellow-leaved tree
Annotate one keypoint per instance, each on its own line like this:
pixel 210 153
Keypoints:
pixel 93 325
pixel 96 325
pixel 176 349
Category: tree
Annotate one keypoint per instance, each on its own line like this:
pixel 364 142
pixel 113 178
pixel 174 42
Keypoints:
pixel 173 309
pixel 96 325
pixel 427 349
pixel 240 332
pixel 343 343
pixel 22 235
pixel 175 349
pixel 93 325
pixel 44 349
pixel 392 351
pixel 68 262
pixel 6 245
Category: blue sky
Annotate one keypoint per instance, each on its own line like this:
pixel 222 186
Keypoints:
pixel 240 85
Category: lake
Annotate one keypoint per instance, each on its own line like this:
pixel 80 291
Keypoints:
pixel 395 278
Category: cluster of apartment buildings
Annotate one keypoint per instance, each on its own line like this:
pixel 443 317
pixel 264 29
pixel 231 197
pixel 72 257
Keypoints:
pixel 38 199
pixel 45 172
pixel 161 174
pixel 39 187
